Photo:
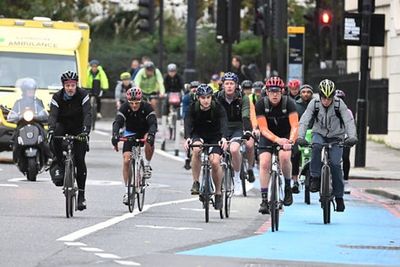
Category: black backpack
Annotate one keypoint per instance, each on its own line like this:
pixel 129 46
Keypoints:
pixel 337 111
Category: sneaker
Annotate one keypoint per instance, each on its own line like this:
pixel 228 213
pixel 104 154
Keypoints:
pixel 346 187
pixel 195 188
pixel 295 188
pixel 187 164
pixel 264 207
pixel 99 116
pixel 125 199
pixel 218 202
pixel 81 201
pixel 238 188
pixel 339 204
pixel 288 199
pixel 251 177
pixel 315 184
pixel 147 172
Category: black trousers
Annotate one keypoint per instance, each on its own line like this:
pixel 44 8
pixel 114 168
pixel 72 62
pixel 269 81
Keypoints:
pixel 79 152
pixel 296 155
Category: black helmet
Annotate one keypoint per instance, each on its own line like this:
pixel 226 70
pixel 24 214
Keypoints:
pixel 68 76
pixel 246 84
pixel 204 89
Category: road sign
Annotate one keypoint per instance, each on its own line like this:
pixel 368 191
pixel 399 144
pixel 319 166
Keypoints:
pixel 352 29
pixel 295 55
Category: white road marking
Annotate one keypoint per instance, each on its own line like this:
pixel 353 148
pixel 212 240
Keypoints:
pixel 9 185
pixel 169 227
pixel 90 249
pixel 107 255
pixel 75 244
pixel 94 228
pixel 1 169
pixel 167 155
pixel 23 179
pixel 202 210
pixel 127 263
pixel 101 133
pixel 102 182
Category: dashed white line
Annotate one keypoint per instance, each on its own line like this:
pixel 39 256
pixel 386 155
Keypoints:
pixel 75 244
pixel 90 249
pixel 202 210
pixel 101 133
pixel 127 263
pixel 94 228
pixel 169 227
pixel 8 185
pixel 107 255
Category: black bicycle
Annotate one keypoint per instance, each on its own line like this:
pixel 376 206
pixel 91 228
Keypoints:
pixel 136 181
pixel 275 199
pixel 227 183
pixel 70 187
pixel 206 186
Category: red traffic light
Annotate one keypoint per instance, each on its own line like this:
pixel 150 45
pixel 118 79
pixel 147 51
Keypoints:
pixel 325 17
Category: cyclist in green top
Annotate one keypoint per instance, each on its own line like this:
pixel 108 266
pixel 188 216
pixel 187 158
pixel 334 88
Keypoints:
pixel 151 81
pixel 97 82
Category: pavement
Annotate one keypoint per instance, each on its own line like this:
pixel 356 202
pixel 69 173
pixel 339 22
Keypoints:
pixel 382 166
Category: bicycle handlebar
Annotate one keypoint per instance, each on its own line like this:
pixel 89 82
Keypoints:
pixel 131 139
pixel 69 138
pixel 205 145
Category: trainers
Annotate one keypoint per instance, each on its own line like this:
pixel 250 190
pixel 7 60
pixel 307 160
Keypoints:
pixel 251 177
pixel 81 201
pixel 218 202
pixel 147 172
pixel 195 188
pixel 339 204
pixel 315 184
pixel 238 188
pixel 295 188
pixel 187 164
pixel 125 199
pixel 288 199
pixel 264 207
pixel 346 187
pixel 99 116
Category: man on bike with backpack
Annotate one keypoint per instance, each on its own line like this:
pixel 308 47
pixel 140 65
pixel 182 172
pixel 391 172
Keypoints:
pixel 206 123
pixel 139 118
pixel 331 121
pixel 70 113
pixel 237 108
pixel 278 122
pixel 121 88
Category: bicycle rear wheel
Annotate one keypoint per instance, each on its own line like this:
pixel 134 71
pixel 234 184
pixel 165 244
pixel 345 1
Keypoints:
pixel 228 182
pixel 141 189
pixel 274 207
pixel 93 103
pixel 326 194
pixel 243 176
pixel 131 188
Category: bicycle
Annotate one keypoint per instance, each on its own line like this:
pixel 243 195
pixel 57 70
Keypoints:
pixel 70 187
pixel 227 183
pixel 136 181
pixel 305 168
pixel 275 198
pixel 244 165
pixel 93 110
pixel 174 102
pixel 206 186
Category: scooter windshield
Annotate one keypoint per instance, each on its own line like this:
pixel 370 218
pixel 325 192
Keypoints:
pixel 28 108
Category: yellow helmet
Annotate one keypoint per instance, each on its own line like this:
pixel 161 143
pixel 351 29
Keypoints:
pixel 125 76
pixel 327 88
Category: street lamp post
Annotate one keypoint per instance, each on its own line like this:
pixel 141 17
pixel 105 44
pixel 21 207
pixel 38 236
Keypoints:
pixel 190 72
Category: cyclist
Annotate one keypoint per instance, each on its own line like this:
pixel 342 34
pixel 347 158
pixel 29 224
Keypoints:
pixel 346 150
pixel 97 82
pixel 246 87
pixel 214 83
pixel 306 94
pixel 206 123
pixel 173 83
pixel 237 108
pixel 70 113
pixel 294 89
pixel 137 116
pixel 254 97
pixel 122 86
pixel 150 80
pixel 278 122
pixel 331 122
pixel 189 97
pixel 135 67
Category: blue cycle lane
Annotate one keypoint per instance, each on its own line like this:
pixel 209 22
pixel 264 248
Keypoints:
pixel 366 234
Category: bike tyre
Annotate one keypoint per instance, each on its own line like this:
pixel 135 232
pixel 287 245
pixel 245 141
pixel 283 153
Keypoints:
pixel 131 188
pixel 274 207
pixel 141 186
pixel 325 194
pixel 93 103
pixel 32 170
pixel 228 192
pixel 307 197
pixel 243 177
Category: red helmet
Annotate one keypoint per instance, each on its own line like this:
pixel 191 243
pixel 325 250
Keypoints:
pixel 294 83
pixel 134 93
pixel 275 81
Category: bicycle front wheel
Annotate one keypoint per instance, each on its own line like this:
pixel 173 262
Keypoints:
pixel 274 205
pixel 68 189
pixel 243 176
pixel 228 182
pixel 326 194
pixel 307 188
pixel 141 185
pixel 131 188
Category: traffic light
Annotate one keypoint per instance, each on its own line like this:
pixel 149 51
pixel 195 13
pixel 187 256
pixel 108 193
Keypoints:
pixel 146 16
pixel 260 18
pixel 325 18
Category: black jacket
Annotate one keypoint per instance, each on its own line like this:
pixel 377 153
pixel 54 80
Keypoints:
pixel 74 114
pixel 173 84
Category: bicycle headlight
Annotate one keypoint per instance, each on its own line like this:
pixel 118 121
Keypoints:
pixel 28 115
pixel 306 151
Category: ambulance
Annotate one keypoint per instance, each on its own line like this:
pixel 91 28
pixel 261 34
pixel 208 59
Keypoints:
pixel 41 49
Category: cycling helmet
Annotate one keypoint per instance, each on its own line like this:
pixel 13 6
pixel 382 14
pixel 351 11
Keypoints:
pixel 246 84
pixel 134 93
pixel 94 62
pixel 171 67
pixel 215 77
pixel 69 76
pixel 294 83
pixel 149 65
pixel 194 84
pixel 306 87
pixel 340 94
pixel 230 76
pixel 327 88
pixel 204 90
pixel 125 76
pixel 28 84
pixel 258 85
pixel 275 83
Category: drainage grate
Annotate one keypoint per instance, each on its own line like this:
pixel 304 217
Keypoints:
pixel 370 247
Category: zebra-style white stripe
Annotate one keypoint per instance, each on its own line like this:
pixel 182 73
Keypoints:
pixel 54 102
pixel 85 99
pixel 151 113
pixel 121 114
